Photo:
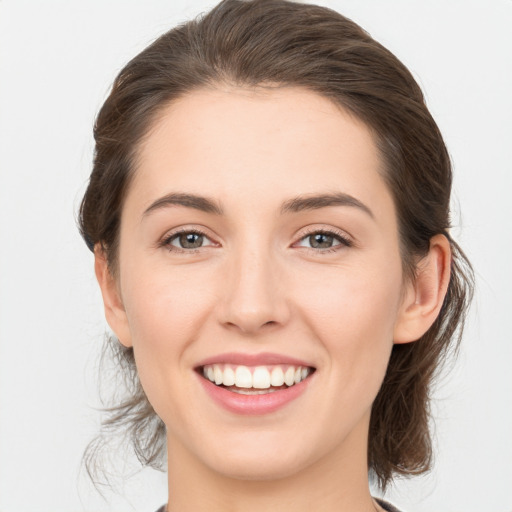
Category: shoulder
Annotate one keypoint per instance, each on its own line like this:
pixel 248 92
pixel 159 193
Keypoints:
pixel 384 504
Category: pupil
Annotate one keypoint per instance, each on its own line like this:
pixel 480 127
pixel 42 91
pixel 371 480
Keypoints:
pixel 321 241
pixel 191 240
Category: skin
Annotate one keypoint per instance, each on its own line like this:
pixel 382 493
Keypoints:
pixel 256 285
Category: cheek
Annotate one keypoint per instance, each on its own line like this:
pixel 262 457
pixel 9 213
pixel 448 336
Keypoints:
pixel 351 300
pixel 352 312
pixel 166 309
pixel 166 305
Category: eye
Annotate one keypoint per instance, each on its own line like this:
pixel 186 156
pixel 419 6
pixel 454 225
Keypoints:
pixel 187 240
pixel 323 241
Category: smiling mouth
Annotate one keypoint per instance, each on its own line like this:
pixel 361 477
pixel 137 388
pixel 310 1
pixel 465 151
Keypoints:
pixel 255 380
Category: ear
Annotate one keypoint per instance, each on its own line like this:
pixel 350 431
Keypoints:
pixel 424 296
pixel 112 301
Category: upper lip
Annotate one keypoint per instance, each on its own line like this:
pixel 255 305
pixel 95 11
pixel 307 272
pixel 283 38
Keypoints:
pixel 262 359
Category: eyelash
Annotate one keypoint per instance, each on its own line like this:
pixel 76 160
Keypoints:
pixel 166 242
pixel 339 236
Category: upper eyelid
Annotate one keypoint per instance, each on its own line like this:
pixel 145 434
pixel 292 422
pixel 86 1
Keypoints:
pixel 187 229
pixel 336 232
pixel 301 233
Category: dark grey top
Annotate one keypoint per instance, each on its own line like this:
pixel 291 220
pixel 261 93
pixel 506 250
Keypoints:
pixel 384 504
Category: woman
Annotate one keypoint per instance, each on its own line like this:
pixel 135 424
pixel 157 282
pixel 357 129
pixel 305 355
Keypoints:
pixel 269 214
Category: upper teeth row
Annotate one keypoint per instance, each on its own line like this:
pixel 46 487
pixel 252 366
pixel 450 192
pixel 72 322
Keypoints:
pixel 259 377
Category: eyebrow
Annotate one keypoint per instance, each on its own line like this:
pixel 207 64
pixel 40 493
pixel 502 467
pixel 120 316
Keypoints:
pixel 194 201
pixel 315 202
pixel 295 205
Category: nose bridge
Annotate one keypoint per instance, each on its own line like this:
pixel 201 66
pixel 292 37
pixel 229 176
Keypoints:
pixel 254 295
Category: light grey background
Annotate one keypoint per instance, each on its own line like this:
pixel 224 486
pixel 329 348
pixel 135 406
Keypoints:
pixel 57 61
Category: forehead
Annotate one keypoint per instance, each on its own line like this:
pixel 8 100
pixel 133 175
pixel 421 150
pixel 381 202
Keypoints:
pixel 255 144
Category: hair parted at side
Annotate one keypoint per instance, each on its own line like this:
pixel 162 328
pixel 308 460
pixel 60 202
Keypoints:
pixel 275 43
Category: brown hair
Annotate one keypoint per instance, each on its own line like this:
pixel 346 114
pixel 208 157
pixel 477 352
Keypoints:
pixel 261 42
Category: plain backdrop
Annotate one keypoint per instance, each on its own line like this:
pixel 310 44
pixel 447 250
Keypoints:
pixel 57 61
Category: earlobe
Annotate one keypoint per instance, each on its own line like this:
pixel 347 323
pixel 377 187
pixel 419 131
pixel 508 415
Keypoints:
pixel 115 313
pixel 424 297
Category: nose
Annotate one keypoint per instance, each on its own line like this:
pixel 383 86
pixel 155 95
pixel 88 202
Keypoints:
pixel 254 296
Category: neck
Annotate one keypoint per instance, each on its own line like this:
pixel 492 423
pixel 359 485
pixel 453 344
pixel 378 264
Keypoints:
pixel 337 482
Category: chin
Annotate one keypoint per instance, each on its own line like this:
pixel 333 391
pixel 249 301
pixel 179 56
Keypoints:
pixel 258 456
pixel 258 468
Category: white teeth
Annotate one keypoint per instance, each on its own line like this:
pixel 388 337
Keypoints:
pixel 217 374
pixel 277 376
pixel 261 379
pixel 289 376
pixel 229 377
pixel 243 377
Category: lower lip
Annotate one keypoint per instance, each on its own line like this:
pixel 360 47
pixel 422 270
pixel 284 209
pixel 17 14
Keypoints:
pixel 253 404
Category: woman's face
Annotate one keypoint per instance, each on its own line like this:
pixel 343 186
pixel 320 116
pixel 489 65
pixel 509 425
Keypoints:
pixel 259 243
